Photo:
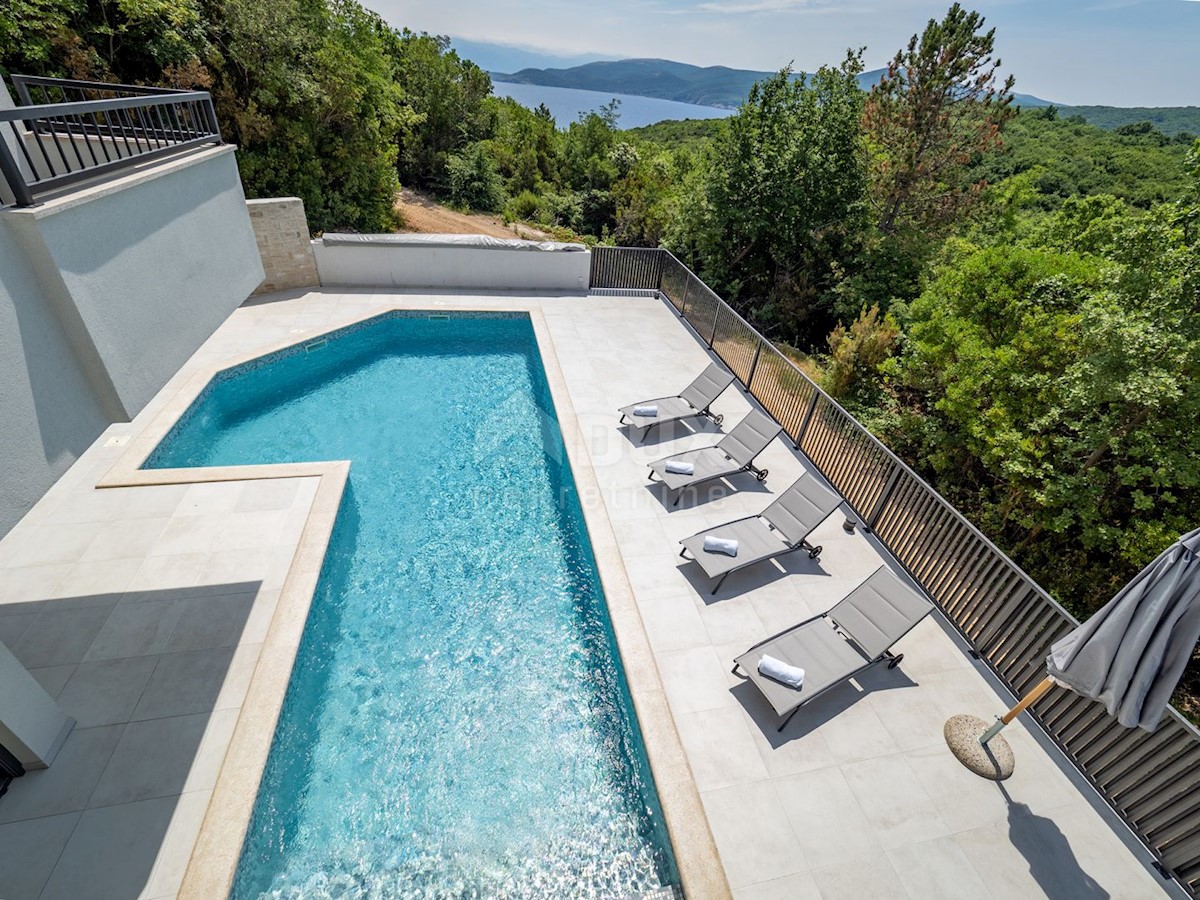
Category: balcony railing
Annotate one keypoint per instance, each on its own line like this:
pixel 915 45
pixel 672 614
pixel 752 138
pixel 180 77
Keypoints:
pixel 67 131
pixel 1152 781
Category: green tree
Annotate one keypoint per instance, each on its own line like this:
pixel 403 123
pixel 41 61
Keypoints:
pixel 937 106
pixel 473 181
pixel 779 200
pixel 1056 398
pixel 447 96
pixel 305 87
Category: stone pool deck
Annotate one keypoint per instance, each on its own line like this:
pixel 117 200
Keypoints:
pixel 144 611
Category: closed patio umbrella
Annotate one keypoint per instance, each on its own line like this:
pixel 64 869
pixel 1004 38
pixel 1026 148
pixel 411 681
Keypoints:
pixel 1129 656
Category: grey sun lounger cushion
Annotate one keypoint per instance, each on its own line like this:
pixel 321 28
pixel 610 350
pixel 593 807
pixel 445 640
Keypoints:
pixel 693 400
pixel 782 527
pixel 869 621
pixel 734 453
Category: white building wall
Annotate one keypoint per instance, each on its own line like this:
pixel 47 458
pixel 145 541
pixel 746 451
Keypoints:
pixel 104 293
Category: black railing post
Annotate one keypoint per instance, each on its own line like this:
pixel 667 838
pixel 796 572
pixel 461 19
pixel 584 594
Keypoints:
pixel 12 175
pixel 888 489
pixel 716 321
pixel 753 365
pixel 812 407
pixel 687 289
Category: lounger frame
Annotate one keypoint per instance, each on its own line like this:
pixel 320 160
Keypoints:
pixel 706 413
pixel 813 553
pixel 892 658
pixel 726 379
pixel 912 610
pixel 759 474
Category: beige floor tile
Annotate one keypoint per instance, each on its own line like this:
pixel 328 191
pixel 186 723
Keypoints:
pixel 719 748
pixel 792 887
pixel 826 818
pixel 268 494
pixel 53 678
pixel 197 681
pixel 693 680
pixel 139 629
pixel 212 499
pixel 859 878
pixel 209 622
pixel 13 627
pixel 157 573
pixel 850 726
pixel 1097 852
pixel 31 851
pixel 937 870
pixel 96 583
pixel 111 852
pixel 672 621
pixel 60 637
pixel 753 835
pixel 910 717
pixel 891 797
pixel 130 539
pixel 155 758
pixel 795 750
pixel 66 785
pixel 21 590
pixel 732 621
pixel 42 545
pixel 106 692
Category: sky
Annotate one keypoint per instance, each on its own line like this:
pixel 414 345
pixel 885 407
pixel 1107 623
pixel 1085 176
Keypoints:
pixel 1077 52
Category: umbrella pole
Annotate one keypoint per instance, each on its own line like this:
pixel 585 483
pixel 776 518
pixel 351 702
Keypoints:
pixel 1028 700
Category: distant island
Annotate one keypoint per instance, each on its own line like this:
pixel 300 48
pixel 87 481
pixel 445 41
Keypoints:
pixel 665 79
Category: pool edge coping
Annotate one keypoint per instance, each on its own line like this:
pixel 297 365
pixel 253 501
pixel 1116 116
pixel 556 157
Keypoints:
pixel 213 861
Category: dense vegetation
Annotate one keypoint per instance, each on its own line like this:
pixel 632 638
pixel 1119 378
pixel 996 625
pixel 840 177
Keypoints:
pixel 1170 120
pixel 1008 299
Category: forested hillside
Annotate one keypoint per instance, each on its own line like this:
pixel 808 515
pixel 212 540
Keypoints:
pixel 1170 120
pixel 1010 300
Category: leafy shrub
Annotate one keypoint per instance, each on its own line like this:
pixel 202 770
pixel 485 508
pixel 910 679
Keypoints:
pixel 473 181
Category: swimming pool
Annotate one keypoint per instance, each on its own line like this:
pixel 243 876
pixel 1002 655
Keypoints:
pixel 457 723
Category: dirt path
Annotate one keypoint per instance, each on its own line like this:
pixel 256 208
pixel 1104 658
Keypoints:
pixel 425 216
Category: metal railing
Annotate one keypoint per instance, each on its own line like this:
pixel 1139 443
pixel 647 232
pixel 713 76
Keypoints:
pixel 1152 781
pixel 66 131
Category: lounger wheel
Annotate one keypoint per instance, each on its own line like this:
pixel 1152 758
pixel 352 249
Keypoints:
pixel 718 419
pixel 815 552
pixel 762 475
pixel 895 660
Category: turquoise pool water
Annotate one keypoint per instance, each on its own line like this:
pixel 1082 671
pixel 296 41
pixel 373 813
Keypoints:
pixel 457 724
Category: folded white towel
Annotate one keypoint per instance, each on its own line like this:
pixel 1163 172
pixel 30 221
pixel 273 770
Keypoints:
pixel 792 676
pixel 679 467
pixel 650 410
pixel 728 546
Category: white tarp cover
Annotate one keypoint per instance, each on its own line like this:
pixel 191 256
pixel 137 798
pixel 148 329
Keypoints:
pixel 477 241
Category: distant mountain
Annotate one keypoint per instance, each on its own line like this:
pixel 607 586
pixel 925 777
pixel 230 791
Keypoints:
pixel 717 86
pixel 502 58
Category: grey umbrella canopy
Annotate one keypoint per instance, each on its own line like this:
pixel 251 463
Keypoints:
pixel 1131 654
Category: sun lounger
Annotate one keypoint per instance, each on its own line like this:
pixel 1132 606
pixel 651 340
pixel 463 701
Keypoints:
pixel 734 453
pixel 783 527
pixel 694 400
pixel 834 646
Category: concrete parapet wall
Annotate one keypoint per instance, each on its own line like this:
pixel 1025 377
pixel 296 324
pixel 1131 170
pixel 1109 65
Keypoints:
pixel 281 232
pixel 457 267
